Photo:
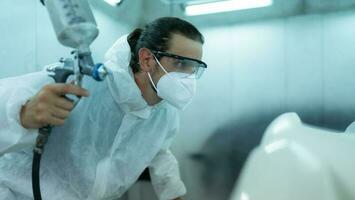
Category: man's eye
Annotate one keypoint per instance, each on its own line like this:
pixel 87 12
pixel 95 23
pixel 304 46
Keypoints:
pixel 184 64
pixel 178 63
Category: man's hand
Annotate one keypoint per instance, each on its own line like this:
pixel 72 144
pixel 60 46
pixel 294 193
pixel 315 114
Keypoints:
pixel 49 106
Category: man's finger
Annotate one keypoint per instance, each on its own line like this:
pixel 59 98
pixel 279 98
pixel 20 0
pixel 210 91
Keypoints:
pixel 63 89
pixel 55 121
pixel 60 113
pixel 64 103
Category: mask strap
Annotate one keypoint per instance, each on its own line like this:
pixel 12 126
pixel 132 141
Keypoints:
pixel 161 66
pixel 152 83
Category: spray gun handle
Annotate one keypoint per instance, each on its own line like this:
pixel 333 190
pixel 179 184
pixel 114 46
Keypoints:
pixel 61 75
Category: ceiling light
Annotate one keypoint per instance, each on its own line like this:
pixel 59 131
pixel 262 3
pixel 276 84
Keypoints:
pixel 224 6
pixel 113 2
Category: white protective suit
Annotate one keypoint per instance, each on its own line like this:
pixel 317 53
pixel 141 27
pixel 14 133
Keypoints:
pixel 104 145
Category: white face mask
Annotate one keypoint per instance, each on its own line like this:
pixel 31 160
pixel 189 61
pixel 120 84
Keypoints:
pixel 175 88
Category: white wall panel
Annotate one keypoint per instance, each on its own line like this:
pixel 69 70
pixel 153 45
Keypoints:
pixel 28 41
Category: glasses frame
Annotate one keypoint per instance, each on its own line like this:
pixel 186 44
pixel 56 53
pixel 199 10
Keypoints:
pixel 161 53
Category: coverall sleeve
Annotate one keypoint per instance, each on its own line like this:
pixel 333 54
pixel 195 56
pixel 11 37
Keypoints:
pixel 14 92
pixel 165 174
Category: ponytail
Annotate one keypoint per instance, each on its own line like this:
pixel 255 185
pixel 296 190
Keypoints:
pixel 132 40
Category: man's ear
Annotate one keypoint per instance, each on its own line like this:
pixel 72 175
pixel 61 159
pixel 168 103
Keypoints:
pixel 146 60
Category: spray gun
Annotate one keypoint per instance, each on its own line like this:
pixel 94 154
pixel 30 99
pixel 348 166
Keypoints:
pixel 75 27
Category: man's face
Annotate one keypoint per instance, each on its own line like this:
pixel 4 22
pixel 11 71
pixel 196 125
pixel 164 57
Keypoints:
pixel 181 46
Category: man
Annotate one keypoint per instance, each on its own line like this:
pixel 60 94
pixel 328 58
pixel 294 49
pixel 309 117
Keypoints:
pixel 99 149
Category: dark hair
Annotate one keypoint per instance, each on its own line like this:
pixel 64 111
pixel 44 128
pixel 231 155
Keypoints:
pixel 157 34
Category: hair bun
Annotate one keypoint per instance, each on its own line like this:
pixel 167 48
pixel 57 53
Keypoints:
pixel 134 37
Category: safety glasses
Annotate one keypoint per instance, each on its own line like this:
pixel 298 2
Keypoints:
pixel 192 67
